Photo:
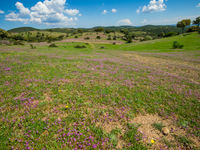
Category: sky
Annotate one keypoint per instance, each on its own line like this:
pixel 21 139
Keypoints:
pixel 90 13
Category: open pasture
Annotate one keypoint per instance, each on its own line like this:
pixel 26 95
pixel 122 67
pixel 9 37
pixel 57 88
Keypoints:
pixel 103 96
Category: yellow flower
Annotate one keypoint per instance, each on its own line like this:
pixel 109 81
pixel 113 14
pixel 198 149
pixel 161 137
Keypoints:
pixel 66 106
pixel 152 141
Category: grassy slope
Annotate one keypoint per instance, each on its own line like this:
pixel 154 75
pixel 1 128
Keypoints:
pixel 190 42
pixel 101 88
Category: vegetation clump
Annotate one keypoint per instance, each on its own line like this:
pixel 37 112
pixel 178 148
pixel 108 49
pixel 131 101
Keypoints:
pixel 3 34
pixel 98 37
pixel 109 37
pixel 53 45
pixel 32 47
pixel 18 42
pixel 87 38
pixel 80 46
pixel 177 45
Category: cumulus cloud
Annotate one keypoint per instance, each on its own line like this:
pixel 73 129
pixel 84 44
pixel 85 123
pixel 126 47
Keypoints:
pixel 114 10
pixel 49 12
pixel 144 21
pixel 1 12
pixel 138 10
pixel 22 9
pixel 198 5
pixel 153 6
pixel 124 22
pixel 104 12
pixel 72 12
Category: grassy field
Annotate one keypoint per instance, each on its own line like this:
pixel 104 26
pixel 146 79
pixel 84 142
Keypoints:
pixel 103 96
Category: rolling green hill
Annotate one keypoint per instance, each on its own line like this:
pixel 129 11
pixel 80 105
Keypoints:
pixel 190 42
pixel 23 29
pixel 155 29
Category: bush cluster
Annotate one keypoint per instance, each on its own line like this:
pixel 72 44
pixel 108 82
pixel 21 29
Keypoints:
pixel 80 46
pixel 53 45
pixel 177 45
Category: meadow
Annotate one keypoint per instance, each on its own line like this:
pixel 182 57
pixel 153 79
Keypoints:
pixel 101 96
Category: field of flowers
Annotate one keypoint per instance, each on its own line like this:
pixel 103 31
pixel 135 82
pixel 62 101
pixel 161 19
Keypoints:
pixel 99 98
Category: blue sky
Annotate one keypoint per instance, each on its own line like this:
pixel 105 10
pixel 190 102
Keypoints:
pixel 90 13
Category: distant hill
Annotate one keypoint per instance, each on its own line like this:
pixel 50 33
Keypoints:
pixel 23 29
pixel 153 29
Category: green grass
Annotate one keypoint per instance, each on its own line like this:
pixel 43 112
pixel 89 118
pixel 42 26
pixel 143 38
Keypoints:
pixel 184 140
pixel 134 138
pixel 190 42
pixel 158 126
pixel 104 88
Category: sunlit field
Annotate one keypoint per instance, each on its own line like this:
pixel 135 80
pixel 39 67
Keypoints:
pixel 101 96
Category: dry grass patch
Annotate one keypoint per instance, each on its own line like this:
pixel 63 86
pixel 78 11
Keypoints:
pixel 150 132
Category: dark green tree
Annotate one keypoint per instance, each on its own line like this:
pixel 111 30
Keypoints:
pixel 182 24
pixel 99 29
pixel 3 34
pixel 197 21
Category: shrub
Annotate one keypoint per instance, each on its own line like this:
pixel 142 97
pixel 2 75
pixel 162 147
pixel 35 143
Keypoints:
pixel 79 46
pixel 102 47
pixel 17 37
pixel 32 47
pixel 148 37
pixel 98 37
pixel 109 37
pixel 99 29
pixel 76 37
pixel 193 29
pixel 170 34
pixel 115 37
pixel 61 37
pixel 177 45
pixel 86 38
pixel 53 45
pixel 18 43
pixel 129 39
pixel 3 34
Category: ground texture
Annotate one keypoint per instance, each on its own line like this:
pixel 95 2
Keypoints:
pixel 100 98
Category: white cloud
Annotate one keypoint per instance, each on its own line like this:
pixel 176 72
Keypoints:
pixel 138 10
pixel 22 9
pixel 16 17
pixel 1 12
pixel 49 12
pixel 72 12
pixel 104 12
pixel 114 10
pixel 144 21
pixel 167 21
pixel 124 22
pixel 153 6
pixel 198 5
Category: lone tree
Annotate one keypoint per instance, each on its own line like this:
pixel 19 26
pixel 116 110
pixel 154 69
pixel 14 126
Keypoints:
pixel 197 21
pixel 3 34
pixel 182 24
pixel 99 29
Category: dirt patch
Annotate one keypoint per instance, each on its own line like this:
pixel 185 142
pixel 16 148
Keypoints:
pixel 47 97
pixel 108 127
pixel 150 133
pixel 108 122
